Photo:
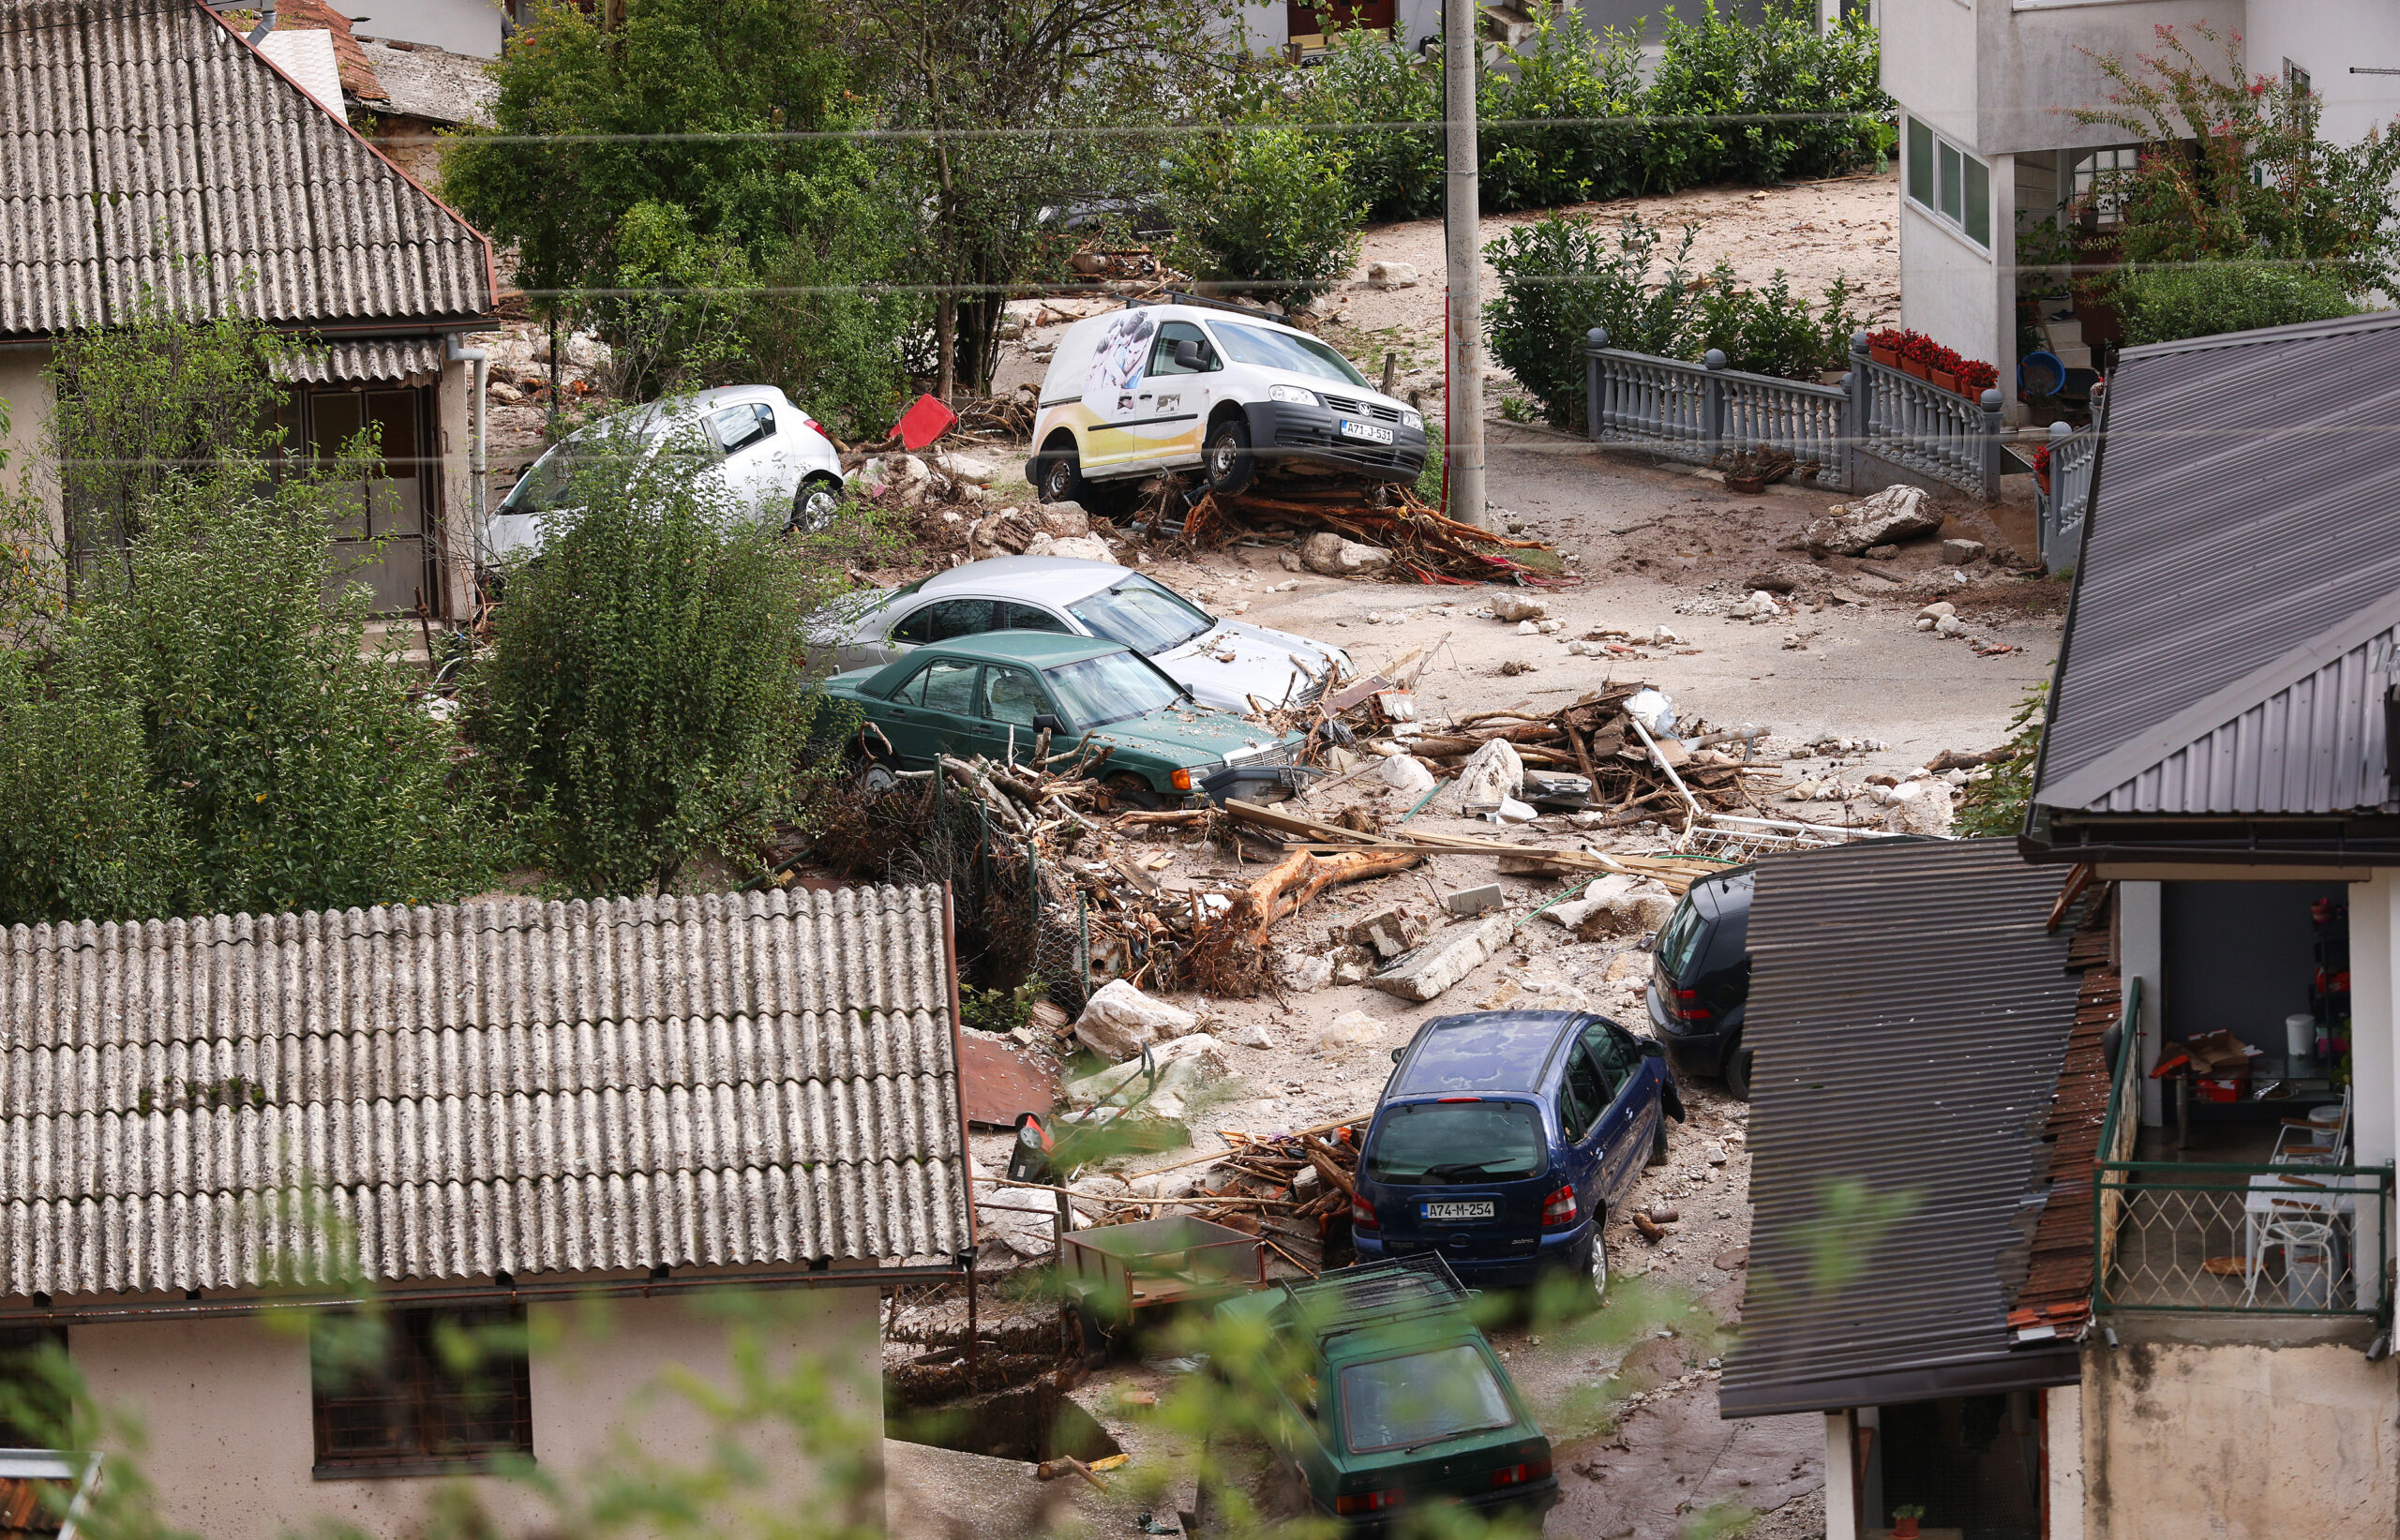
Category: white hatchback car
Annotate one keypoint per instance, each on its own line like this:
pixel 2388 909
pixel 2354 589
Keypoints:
pixel 1222 663
pixel 748 440
pixel 1193 384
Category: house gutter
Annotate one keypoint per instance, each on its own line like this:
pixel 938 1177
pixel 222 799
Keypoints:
pixel 463 1297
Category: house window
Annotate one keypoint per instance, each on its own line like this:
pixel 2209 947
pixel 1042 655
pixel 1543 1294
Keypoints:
pixel 2099 169
pixel 383 534
pixel 2296 77
pixel 33 1412
pixel 411 1392
pixel 1948 183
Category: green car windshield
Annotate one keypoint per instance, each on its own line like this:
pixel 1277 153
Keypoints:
pixel 1113 687
pixel 1144 615
pixel 1421 1398
pixel 1432 1143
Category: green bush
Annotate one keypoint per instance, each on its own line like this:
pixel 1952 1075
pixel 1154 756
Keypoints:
pixel 1768 329
pixel 1267 210
pixel 648 680
pixel 1777 101
pixel 2162 303
pixel 205 731
pixel 1368 78
pixel 1539 145
pixel 1559 277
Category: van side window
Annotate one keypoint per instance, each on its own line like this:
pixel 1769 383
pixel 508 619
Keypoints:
pixel 1163 353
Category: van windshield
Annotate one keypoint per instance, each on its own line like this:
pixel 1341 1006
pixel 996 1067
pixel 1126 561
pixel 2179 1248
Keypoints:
pixel 1288 350
pixel 1439 1143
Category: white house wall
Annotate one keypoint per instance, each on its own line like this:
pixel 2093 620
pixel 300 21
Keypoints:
pixel 2326 38
pixel 24 444
pixel 1952 288
pixel 225 1406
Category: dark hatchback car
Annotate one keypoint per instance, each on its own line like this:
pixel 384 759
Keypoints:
pixel 1503 1140
pixel 1699 980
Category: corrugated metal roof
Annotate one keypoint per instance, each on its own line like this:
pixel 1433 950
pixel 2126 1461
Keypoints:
pixel 514 1086
pixel 1910 1014
pixel 402 358
pixel 2237 580
pixel 139 135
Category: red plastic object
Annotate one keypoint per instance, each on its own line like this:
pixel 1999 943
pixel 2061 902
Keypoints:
pixel 2221 1089
pixel 924 422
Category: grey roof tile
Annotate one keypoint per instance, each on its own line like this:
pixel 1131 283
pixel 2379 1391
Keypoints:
pixel 518 1086
pixel 137 136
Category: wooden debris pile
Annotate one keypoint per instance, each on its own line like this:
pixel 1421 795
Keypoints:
pixel 1292 1191
pixel 1427 545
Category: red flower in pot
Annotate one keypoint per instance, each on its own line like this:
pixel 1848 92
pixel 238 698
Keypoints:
pixel 1886 347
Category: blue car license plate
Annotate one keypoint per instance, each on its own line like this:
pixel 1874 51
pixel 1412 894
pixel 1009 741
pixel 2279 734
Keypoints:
pixel 1482 1210
pixel 1372 433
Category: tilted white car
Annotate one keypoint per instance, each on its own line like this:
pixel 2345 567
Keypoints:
pixel 749 440
pixel 1224 663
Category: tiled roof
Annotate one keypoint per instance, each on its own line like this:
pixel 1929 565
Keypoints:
pixel 138 136
pixel 510 1087
pixel 357 76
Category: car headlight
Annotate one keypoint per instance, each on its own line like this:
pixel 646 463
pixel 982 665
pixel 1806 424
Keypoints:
pixel 1293 394
pixel 1410 418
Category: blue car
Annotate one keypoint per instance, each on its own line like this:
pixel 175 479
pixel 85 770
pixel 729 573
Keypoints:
pixel 1503 1140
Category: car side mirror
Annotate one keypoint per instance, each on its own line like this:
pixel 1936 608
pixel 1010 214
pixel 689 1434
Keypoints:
pixel 1192 353
pixel 1047 721
pixel 1652 1048
pixel 1398 1055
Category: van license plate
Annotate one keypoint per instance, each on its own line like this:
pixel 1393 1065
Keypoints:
pixel 1459 1211
pixel 1369 432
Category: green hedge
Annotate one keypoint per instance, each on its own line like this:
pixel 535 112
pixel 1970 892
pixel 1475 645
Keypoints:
pixel 2165 304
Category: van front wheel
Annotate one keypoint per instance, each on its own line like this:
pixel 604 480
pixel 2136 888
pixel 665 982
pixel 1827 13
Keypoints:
pixel 1227 458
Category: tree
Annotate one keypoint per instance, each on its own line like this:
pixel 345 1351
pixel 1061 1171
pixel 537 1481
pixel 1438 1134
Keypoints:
pixel 1026 115
pixel 200 729
pixel 649 679
pixel 2232 167
pixel 1266 210
pixel 680 170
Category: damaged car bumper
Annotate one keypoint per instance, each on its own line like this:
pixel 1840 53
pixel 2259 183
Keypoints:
pixel 1340 433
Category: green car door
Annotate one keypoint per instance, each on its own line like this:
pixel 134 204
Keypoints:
pixel 934 712
pixel 1012 699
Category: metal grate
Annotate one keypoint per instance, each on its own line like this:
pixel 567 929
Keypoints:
pixel 2263 1240
pixel 420 1389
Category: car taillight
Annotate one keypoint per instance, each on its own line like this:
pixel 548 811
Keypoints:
pixel 1684 1005
pixel 1368 1502
pixel 1559 1207
pixel 1517 1475
pixel 1362 1214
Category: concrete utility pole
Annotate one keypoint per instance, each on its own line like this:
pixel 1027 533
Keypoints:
pixel 1463 258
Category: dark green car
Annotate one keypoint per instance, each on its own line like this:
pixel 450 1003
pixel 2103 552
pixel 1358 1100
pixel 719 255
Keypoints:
pixel 992 694
pixel 1399 1402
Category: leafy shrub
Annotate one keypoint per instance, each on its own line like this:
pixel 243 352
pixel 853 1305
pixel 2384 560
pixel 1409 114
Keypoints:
pixel 1560 278
pixel 1768 329
pixel 648 680
pixel 1538 144
pixel 1730 102
pixel 2162 303
pixel 1266 210
pixel 206 732
pixel 1994 804
pixel 1367 78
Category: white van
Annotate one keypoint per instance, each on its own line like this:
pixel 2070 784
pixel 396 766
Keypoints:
pixel 1183 384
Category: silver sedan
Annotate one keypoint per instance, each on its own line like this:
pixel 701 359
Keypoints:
pixel 1224 663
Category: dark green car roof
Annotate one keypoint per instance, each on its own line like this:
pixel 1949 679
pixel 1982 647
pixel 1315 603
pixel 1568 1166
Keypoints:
pixel 1035 649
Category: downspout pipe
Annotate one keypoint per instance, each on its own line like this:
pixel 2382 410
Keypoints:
pixel 479 407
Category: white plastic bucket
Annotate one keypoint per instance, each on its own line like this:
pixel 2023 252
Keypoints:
pixel 2308 1264
pixel 2324 1125
pixel 2299 1036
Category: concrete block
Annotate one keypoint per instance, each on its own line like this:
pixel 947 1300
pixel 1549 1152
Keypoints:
pixel 1474 901
pixel 1448 957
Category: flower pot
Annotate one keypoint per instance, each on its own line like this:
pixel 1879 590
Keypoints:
pixel 1903 1528
pixel 1911 366
pixel 1747 485
pixel 2042 479
pixel 1943 380
pixel 1888 357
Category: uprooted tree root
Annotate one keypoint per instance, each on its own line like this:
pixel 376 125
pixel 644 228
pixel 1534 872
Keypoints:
pixel 1230 955
pixel 1426 544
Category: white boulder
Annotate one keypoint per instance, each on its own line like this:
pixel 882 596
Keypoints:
pixel 1119 1020
pixel 1329 553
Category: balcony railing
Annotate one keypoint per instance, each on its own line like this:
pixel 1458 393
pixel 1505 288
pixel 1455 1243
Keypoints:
pixel 2290 1237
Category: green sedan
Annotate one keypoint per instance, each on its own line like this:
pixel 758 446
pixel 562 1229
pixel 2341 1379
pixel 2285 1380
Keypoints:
pixel 992 694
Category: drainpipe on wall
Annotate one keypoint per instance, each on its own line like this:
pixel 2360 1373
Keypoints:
pixel 266 24
pixel 479 408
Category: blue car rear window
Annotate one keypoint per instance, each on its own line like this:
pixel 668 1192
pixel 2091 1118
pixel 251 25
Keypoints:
pixel 1439 1143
